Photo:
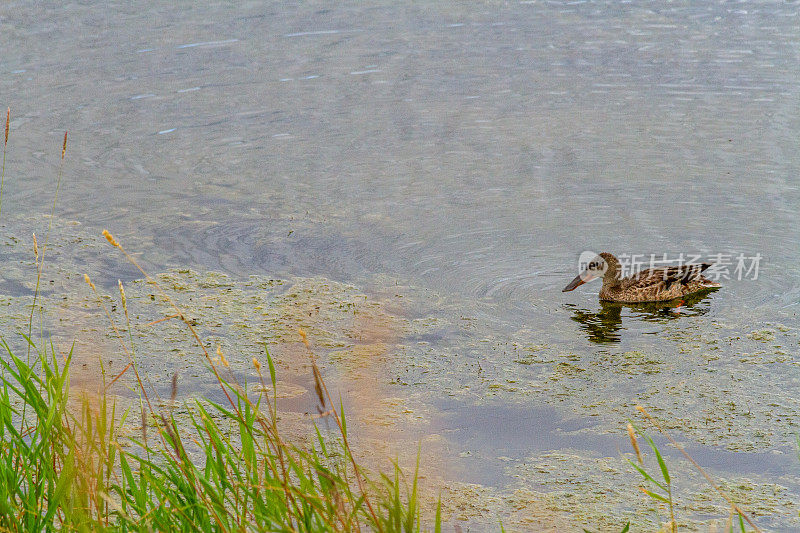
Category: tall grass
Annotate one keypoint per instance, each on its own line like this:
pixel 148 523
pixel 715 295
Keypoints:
pixel 228 468
pixel 65 463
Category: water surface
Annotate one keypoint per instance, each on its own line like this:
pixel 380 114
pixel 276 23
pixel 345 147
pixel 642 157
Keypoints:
pixel 449 162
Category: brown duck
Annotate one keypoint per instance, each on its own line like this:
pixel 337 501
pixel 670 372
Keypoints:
pixel 651 285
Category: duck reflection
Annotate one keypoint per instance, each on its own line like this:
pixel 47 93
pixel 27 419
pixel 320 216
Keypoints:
pixel 605 325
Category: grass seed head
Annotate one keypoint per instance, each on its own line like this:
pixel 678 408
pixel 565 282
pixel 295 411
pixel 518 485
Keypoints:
pixel 634 443
pixel 8 122
pixel 35 247
pixel 110 238
pixel 122 296
pixel 257 364
pixel 88 281
pixel 304 337
pixel 174 390
pixel 222 358
pixel 64 147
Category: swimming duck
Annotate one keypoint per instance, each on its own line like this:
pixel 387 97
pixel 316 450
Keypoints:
pixel 651 285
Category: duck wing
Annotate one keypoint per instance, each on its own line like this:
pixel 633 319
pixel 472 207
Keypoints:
pixel 668 275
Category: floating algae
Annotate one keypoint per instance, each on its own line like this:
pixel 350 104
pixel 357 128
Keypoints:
pixel 402 356
pixel 712 382
pixel 602 493
pixel 762 335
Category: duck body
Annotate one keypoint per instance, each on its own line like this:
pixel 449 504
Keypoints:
pixel 651 285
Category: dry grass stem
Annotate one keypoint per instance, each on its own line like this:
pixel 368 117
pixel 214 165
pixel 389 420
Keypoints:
pixel 3 171
pixel 110 238
pixel 319 384
pixel 46 235
pixel 154 322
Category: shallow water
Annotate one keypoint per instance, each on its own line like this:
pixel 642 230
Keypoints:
pixel 449 162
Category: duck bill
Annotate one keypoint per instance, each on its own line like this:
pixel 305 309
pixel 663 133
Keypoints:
pixel 579 280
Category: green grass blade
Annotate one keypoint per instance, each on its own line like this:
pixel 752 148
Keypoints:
pixel 655 496
pixel 662 465
pixel 647 476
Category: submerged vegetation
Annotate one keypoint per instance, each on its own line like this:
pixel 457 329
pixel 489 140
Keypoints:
pixel 78 464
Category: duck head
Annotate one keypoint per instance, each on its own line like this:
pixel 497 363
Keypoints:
pixel 603 265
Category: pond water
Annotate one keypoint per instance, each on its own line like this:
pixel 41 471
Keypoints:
pixel 449 162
